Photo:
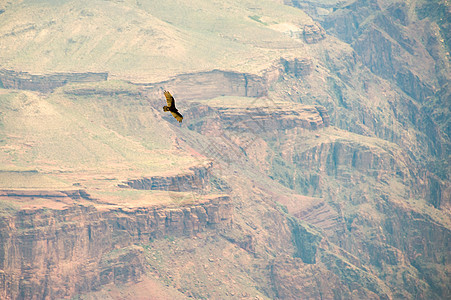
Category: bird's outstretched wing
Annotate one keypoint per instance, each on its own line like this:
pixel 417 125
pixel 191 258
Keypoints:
pixel 177 115
pixel 171 107
pixel 169 99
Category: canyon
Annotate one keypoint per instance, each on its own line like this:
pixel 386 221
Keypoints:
pixel 316 167
pixel 84 240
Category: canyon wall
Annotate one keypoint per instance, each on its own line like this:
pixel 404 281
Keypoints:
pixel 255 118
pixel 214 83
pixel 218 83
pixel 195 179
pixel 58 253
pixel 273 117
pixel 372 219
pixel 45 83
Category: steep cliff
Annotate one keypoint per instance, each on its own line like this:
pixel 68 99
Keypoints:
pixel 350 180
pixel 255 119
pixel 312 161
pixel 196 179
pixel 218 83
pixel 49 252
pixel 45 83
pixel 215 83
pixel 406 49
pixel 406 44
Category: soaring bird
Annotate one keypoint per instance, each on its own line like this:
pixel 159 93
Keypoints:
pixel 171 106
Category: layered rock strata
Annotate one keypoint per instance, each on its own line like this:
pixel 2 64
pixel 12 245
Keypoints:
pixel 196 178
pixel 218 83
pixel 214 83
pixel 45 83
pixel 276 117
pixel 314 33
pixel 58 253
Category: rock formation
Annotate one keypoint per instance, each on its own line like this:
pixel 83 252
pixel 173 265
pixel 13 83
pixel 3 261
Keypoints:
pixel 196 179
pixel 215 83
pixel 56 253
pixel 313 33
pixel 326 174
pixel 45 83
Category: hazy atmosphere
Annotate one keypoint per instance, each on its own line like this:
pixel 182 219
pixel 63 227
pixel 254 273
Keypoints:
pixel 234 149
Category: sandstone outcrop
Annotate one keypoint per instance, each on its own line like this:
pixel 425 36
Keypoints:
pixel 72 194
pixel 257 118
pixel 87 92
pixel 217 83
pixel 313 33
pixel 196 178
pixel 45 83
pixel 58 253
pixel 298 67
pixel 277 117
pixel 214 83
pixel 337 156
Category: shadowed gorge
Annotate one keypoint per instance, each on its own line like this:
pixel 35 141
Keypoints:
pixel 313 160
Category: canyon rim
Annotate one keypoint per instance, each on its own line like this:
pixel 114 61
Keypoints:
pixel 313 160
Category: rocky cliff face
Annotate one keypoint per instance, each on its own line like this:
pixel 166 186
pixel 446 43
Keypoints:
pixel 215 83
pixel 196 179
pixel 398 43
pixel 352 214
pixel 335 164
pixel 259 119
pixel 403 47
pixel 314 33
pixel 45 83
pixel 226 83
pixel 48 253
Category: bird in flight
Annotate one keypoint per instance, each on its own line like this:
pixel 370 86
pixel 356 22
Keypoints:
pixel 171 106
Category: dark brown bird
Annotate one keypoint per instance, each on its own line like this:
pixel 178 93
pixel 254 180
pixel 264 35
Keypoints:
pixel 171 106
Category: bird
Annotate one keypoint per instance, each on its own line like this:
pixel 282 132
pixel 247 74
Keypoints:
pixel 171 106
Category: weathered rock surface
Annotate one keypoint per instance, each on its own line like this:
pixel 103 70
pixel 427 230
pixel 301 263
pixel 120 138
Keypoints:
pixel 214 83
pixel 291 278
pixel 360 212
pixel 278 117
pixel 403 42
pixel 57 253
pixel 313 33
pixel 256 118
pixel 45 83
pixel 196 178
pixel 298 67
pixel 72 194
pixel 228 83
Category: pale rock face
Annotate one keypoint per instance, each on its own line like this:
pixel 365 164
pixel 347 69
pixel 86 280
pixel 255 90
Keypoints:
pixel 44 252
pixel 45 83
pixel 314 33
pixel 331 168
